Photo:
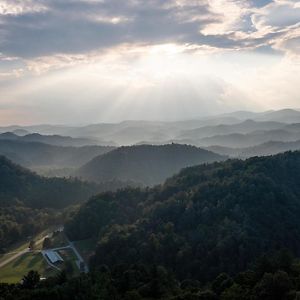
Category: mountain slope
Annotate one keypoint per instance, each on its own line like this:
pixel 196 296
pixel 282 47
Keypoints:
pixel 19 185
pixel 283 115
pixel 269 148
pixel 55 140
pixel 243 127
pixel 33 154
pixel 146 164
pixel 29 203
pixel 237 140
pixel 205 220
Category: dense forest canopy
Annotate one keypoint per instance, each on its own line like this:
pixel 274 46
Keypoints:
pixel 270 278
pixel 20 184
pixel 206 220
pixel 29 203
pixel 224 231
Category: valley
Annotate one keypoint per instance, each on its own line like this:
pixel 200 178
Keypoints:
pixel 149 150
pixel 177 216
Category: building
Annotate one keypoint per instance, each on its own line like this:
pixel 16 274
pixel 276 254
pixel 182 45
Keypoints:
pixel 52 256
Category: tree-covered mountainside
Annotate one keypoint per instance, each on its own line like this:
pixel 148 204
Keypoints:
pixel 206 220
pixel 224 231
pixel 18 184
pixel 146 164
pixel 29 202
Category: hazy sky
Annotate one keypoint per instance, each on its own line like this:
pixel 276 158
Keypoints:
pixel 81 61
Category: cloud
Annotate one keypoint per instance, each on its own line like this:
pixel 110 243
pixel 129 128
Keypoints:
pixel 17 7
pixel 78 26
pixel 281 18
pixel 58 52
pixel 50 27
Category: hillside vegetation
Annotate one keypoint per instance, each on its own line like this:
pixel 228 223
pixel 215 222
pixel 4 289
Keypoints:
pixel 29 203
pixel 224 231
pixel 205 220
pixel 146 164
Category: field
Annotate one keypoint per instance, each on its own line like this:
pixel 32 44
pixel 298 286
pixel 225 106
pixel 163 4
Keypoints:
pixel 15 270
pixel 22 246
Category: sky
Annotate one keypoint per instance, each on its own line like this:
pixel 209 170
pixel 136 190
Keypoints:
pixel 90 61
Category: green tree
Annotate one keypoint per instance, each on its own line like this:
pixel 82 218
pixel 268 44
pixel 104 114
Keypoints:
pixel 47 243
pixel 31 280
pixel 69 268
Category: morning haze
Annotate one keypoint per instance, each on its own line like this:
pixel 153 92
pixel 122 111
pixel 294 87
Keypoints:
pixel 149 149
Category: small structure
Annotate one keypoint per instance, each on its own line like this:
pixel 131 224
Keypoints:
pixel 53 256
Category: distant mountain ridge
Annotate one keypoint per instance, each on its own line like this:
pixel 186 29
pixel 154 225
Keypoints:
pixel 237 129
pixel 55 140
pixel 146 164
pixel 269 148
pixel 132 132
pixel 35 154
pixel 244 127
pixel 238 140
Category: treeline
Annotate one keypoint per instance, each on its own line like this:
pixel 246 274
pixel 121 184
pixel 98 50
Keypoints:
pixel 20 185
pixel 206 220
pixel 29 203
pixel 19 223
pixel 270 278
pixel 197 237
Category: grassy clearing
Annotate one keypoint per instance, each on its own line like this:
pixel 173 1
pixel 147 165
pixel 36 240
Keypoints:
pixel 22 245
pixel 15 270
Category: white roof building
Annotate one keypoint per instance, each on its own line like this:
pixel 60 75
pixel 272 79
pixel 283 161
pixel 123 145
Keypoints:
pixel 53 256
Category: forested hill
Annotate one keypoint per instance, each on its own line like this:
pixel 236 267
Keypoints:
pixel 19 185
pixel 29 203
pixel 206 220
pixel 145 164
